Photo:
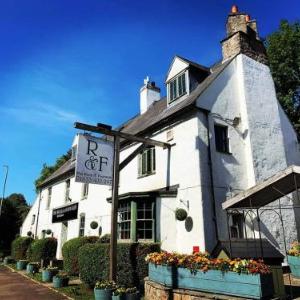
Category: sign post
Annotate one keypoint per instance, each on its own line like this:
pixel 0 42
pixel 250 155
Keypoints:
pixel 98 162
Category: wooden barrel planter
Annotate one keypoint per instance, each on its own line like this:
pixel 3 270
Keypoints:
pixel 21 264
pixel 47 275
pixel 294 263
pixel 59 282
pixel 102 294
pixel 254 286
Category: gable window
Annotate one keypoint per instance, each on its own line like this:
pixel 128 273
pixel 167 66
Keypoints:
pixel 85 190
pixel 146 164
pixel 177 87
pixel 67 191
pixel 221 138
pixel 49 197
pixel 136 220
pixel 81 224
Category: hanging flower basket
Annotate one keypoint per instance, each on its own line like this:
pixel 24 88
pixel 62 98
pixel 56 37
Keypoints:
pixel 181 214
pixel 94 225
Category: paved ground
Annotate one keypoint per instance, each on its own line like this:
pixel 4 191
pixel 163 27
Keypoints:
pixel 14 286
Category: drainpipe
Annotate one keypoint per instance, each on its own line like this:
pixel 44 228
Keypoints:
pixel 38 213
pixel 211 178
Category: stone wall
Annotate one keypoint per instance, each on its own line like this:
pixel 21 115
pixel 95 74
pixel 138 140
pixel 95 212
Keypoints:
pixel 155 291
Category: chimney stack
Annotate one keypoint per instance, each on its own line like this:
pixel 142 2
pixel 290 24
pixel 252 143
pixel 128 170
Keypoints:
pixel 149 93
pixel 242 37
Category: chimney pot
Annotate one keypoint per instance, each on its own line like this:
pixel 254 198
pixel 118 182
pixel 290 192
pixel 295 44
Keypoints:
pixel 234 9
pixel 248 18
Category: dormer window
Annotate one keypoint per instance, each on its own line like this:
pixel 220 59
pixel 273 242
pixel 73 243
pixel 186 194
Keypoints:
pixel 177 87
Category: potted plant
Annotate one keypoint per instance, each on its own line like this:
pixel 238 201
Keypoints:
pixel 32 267
pixel 119 294
pixel 60 280
pixel 8 260
pixel 132 294
pixel 21 264
pixel 294 259
pixel 103 290
pixel 48 274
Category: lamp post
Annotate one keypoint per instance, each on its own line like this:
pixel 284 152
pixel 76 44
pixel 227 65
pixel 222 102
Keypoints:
pixel 4 185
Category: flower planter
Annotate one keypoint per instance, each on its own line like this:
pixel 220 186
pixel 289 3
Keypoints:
pixel 47 275
pixel 135 296
pixel 294 263
pixel 21 264
pixel 59 282
pixel 102 294
pixel 256 286
pixel 30 268
pixel 119 297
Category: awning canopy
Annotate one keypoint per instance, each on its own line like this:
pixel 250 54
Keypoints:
pixel 273 188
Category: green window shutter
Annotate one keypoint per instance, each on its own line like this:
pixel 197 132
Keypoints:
pixel 140 164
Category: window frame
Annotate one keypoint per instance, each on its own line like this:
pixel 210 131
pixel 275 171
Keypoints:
pixel 134 220
pixel 222 141
pixel 67 190
pixel 178 83
pixel 148 156
pixel 49 197
pixel 81 230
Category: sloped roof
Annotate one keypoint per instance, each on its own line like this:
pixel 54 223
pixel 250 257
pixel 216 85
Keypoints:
pixel 158 113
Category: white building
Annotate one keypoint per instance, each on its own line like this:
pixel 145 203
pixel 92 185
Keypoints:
pixel 228 132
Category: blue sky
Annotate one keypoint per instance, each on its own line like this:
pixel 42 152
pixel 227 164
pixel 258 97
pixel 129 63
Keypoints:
pixel 63 61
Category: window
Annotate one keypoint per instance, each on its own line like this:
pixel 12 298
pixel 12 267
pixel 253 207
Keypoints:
pixel 177 87
pixel 136 220
pixel 49 197
pixel 221 138
pixel 124 212
pixel 33 219
pixel 237 227
pixel 147 162
pixel 74 151
pixel 144 221
pixel 81 224
pixel 85 190
pixel 67 193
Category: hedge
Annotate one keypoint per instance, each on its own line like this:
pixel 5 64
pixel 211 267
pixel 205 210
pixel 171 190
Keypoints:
pixel 42 249
pixel 132 269
pixel 70 252
pixel 20 246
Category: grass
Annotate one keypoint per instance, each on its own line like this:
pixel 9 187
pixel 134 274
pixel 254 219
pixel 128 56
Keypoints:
pixel 78 292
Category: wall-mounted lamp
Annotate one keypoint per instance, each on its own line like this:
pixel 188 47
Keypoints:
pixel 186 203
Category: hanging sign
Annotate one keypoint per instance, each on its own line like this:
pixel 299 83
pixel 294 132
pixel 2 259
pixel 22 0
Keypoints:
pixel 94 160
pixel 65 213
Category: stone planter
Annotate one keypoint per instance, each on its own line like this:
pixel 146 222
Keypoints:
pixel 255 286
pixel 102 294
pixel 32 268
pixel 47 275
pixel 294 263
pixel 21 264
pixel 59 282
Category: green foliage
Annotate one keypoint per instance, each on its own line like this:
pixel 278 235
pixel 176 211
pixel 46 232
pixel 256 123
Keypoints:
pixel 42 249
pixel 70 251
pixel 132 269
pixel 180 214
pixel 20 246
pixel 105 239
pixel 94 225
pixel 283 49
pixel 49 170
pixel 14 210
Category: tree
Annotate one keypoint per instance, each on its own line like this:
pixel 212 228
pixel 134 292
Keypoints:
pixel 49 170
pixel 14 211
pixel 283 49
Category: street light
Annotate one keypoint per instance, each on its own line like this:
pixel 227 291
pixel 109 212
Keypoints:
pixel 4 185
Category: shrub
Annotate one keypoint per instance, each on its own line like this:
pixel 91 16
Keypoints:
pixel 105 239
pixel 180 214
pixel 70 252
pixel 132 269
pixel 48 231
pixel 20 246
pixel 42 249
